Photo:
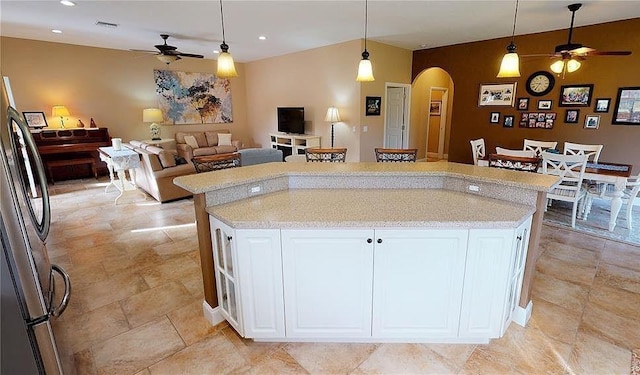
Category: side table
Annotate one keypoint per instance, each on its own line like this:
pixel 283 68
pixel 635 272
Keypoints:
pixel 119 161
pixel 215 162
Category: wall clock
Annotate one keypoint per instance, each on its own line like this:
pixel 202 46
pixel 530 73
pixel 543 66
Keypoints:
pixel 540 83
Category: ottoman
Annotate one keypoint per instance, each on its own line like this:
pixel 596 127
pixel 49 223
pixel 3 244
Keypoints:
pixel 251 156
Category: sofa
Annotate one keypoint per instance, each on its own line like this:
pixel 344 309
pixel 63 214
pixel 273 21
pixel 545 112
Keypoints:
pixel 203 143
pixel 158 168
pixel 251 156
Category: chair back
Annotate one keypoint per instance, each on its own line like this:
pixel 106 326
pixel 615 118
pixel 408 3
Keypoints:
pixel 326 155
pixel 592 151
pixel 538 146
pixel 477 150
pixel 517 153
pixel 384 155
pixel 516 163
pixel 570 169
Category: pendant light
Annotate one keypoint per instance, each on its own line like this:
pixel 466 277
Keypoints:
pixel 365 70
pixel 510 66
pixel 565 65
pixel 226 67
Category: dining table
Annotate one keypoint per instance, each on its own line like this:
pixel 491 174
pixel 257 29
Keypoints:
pixel 610 173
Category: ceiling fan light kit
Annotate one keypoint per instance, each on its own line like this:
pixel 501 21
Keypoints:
pixel 510 66
pixel 365 69
pixel 226 67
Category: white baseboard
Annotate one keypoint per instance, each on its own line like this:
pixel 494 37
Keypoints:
pixel 212 314
pixel 522 315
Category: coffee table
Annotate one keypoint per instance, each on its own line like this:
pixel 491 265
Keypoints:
pixel 215 162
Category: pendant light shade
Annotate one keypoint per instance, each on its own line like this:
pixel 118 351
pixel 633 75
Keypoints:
pixel 365 69
pixel 510 66
pixel 569 66
pixel 226 67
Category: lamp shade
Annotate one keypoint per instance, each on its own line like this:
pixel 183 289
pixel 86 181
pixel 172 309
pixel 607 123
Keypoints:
pixel 332 115
pixel 365 71
pixel 557 67
pixel 226 67
pixel 152 115
pixel 59 111
pixel 510 66
pixel 167 59
pixel 573 65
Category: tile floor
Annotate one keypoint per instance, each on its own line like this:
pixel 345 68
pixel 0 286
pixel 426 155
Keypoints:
pixel 136 305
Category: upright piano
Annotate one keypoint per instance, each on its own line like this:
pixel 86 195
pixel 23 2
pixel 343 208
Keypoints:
pixel 72 153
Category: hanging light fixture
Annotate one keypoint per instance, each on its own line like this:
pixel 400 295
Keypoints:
pixel 566 64
pixel 510 66
pixel 365 70
pixel 226 67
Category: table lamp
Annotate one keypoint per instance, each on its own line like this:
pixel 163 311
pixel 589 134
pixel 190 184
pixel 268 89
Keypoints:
pixel 60 111
pixel 153 115
pixel 332 117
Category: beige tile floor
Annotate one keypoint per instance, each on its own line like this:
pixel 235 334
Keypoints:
pixel 137 292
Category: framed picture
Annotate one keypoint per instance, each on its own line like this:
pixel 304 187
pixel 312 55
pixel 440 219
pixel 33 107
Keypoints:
pixel 523 104
pixel 571 116
pixel 494 118
pixel 602 105
pixel 627 109
pixel 35 119
pixel 575 95
pixel 497 94
pixel 508 122
pixel 373 106
pixel 591 121
pixel 544 104
pixel 435 107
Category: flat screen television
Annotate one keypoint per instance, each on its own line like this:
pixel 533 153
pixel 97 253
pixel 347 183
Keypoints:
pixel 291 120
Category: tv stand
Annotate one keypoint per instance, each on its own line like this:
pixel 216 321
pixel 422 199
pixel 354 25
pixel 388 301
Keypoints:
pixel 293 144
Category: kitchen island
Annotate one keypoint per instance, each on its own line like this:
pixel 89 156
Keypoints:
pixel 428 252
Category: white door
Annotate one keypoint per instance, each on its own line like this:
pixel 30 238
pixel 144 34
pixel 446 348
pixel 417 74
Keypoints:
pixel 260 276
pixel 327 282
pixel 418 280
pixel 395 118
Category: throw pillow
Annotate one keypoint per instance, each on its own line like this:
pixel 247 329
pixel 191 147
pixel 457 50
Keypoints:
pixel 224 139
pixel 191 141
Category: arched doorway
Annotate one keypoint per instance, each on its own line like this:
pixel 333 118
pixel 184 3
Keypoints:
pixel 431 105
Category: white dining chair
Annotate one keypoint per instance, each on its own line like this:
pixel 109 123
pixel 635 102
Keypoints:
pixel 538 146
pixel 592 151
pixel 479 153
pixel 605 191
pixel 570 169
pixel 517 153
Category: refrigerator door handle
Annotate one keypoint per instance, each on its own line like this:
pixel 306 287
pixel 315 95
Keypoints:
pixel 57 311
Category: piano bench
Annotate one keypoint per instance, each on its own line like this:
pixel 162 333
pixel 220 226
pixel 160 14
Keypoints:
pixel 76 161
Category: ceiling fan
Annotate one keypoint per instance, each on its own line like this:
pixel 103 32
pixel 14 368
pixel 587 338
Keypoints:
pixel 169 54
pixel 571 54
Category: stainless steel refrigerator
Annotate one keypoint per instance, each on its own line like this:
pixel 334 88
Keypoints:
pixel 29 298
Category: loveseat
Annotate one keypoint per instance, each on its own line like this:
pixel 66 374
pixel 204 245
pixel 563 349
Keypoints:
pixel 158 168
pixel 190 144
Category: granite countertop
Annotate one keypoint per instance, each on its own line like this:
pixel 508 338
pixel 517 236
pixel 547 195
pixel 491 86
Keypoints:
pixel 203 182
pixel 432 208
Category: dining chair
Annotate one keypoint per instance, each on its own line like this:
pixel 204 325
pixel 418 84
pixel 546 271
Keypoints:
pixel 592 151
pixel 326 155
pixel 516 163
pixel 479 152
pixel 517 153
pixel 605 191
pixel 384 155
pixel 538 146
pixel 570 169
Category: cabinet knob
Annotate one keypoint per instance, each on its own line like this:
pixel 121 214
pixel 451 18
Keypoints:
pixel 519 238
pixel 379 240
pixel 229 238
pixel 369 240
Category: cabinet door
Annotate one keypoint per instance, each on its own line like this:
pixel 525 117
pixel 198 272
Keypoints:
pixel 521 245
pixel 418 279
pixel 327 282
pixel 486 275
pixel 225 269
pixel 260 274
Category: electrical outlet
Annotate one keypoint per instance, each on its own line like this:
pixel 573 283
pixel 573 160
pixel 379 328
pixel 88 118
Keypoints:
pixel 365 129
pixel 474 188
pixel 255 189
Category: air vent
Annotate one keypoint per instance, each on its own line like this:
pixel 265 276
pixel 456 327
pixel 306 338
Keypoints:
pixel 107 24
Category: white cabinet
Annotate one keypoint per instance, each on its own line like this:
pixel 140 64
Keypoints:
pixel 418 276
pixel 516 275
pixel 249 293
pixel 294 144
pixel 328 276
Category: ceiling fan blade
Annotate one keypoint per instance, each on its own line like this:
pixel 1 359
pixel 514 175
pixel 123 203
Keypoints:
pixel 143 50
pixel 582 50
pixel 190 55
pixel 609 53
pixel 541 55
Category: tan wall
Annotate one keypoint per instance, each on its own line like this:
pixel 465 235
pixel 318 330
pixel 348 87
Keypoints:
pixel 110 86
pixel 474 63
pixel 317 79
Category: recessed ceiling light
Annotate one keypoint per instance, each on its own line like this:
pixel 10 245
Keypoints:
pixel 216 51
pixel 262 37
pixel 67 3
pixel 423 46
pixel 56 31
